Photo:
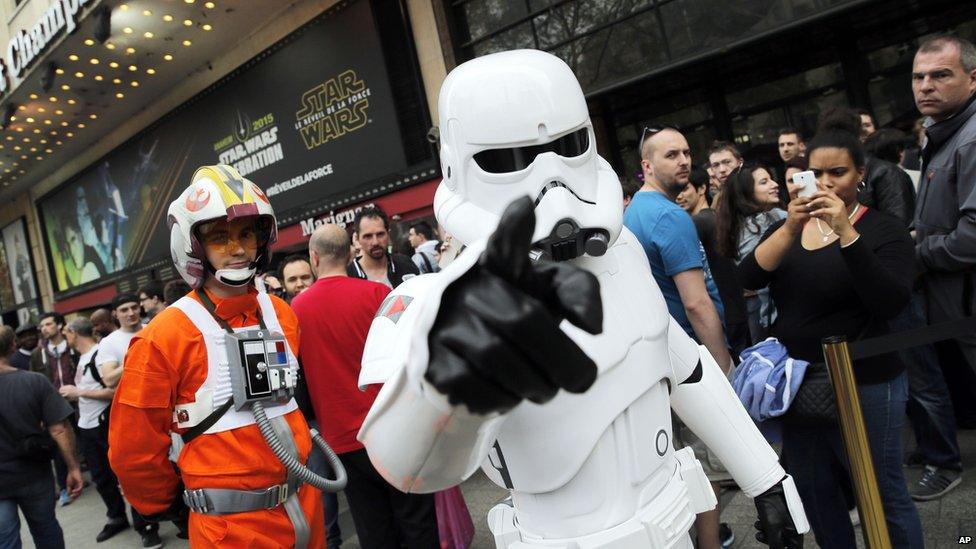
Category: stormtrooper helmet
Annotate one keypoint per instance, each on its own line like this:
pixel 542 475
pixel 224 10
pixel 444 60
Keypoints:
pixel 513 124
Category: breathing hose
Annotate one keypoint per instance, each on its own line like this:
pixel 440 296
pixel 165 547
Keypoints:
pixel 293 465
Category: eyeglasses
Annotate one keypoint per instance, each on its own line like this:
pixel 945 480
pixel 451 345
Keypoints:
pixel 519 158
pixel 649 132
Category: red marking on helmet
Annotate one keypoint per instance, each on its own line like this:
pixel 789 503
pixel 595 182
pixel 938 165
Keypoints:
pixel 260 194
pixel 197 199
pixel 241 210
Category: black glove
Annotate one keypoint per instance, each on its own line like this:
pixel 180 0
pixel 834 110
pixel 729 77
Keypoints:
pixel 775 525
pixel 496 338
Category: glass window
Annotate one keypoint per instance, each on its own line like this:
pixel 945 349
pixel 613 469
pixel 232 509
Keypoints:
pixel 700 138
pixel 759 128
pixel 615 52
pixel 482 17
pixel 575 18
pixel 693 26
pixel 813 79
pixel 518 37
pixel 891 57
pixel 892 100
pixel 804 113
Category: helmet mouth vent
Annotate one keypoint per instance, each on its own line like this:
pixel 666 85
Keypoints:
pixel 554 184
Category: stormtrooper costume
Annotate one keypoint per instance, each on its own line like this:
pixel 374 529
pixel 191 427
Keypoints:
pixel 592 466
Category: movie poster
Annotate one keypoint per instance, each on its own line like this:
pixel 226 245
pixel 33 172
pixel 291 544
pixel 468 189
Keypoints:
pixel 312 121
pixel 17 252
pixel 6 286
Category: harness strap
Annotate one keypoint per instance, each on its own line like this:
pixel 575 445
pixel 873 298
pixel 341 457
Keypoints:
pixel 222 501
pixel 207 422
pixel 292 506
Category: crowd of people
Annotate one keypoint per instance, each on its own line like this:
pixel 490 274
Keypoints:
pixel 335 290
pixel 870 252
pixel 740 251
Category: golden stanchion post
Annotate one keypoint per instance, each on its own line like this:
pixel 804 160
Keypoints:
pixel 841 370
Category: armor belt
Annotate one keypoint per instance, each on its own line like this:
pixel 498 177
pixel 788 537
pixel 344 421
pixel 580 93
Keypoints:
pixel 220 501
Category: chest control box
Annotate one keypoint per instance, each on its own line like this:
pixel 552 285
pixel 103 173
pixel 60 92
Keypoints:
pixel 259 367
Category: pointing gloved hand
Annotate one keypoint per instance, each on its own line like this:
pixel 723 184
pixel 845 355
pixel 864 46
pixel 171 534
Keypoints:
pixel 775 523
pixel 496 339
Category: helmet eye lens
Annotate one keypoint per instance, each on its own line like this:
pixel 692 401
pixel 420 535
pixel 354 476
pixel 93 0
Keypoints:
pixel 518 158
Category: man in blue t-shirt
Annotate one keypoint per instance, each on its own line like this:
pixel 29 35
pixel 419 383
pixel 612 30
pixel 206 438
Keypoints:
pixel 678 263
pixel 671 242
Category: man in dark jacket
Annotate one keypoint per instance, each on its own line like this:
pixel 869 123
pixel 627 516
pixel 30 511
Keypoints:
pixel 944 82
pixel 887 188
pixel 372 229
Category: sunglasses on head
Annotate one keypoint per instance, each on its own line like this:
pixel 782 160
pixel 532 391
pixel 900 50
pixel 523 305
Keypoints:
pixel 649 132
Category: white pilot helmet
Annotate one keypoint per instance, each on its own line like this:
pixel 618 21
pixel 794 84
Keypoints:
pixel 218 192
pixel 515 123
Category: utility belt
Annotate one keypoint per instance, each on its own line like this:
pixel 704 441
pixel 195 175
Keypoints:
pixel 221 501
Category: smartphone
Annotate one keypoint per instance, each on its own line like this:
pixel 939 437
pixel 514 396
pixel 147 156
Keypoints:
pixel 807 183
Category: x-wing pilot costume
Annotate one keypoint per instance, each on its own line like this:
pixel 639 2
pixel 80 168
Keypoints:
pixel 473 357
pixel 220 372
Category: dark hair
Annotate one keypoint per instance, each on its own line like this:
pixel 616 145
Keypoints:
pixel 864 112
pixel 423 228
pixel 737 202
pixel 838 140
pixel 839 119
pixel 797 162
pixel 887 144
pixel 288 260
pixel 122 299
pixel 174 290
pixel 153 289
pixel 58 317
pixel 698 178
pixel 719 146
pixel 967 51
pixel 789 130
pixel 630 186
pixel 374 212
pixel 6 341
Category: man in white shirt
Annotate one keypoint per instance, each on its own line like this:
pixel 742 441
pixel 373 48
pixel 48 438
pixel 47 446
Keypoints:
pixel 110 362
pixel 111 357
pixel 93 399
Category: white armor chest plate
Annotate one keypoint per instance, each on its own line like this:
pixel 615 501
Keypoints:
pixel 608 443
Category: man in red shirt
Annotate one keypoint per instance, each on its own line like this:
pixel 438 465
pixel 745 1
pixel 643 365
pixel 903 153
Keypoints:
pixel 334 316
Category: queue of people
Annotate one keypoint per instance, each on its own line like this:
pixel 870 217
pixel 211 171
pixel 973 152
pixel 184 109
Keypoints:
pixel 859 256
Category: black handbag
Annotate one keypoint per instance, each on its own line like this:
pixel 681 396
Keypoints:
pixel 815 404
pixel 32 447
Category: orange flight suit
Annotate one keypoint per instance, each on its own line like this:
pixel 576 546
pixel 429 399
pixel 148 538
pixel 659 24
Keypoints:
pixel 165 365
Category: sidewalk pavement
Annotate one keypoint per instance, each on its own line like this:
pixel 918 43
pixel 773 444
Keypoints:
pixel 944 521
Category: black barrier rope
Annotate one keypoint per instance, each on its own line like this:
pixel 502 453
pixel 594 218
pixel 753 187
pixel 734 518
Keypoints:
pixel 915 337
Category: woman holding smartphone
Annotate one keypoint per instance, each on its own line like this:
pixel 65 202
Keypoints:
pixel 836 267
pixel 747 208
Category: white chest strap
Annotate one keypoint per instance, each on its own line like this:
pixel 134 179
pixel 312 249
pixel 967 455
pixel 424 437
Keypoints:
pixel 216 388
